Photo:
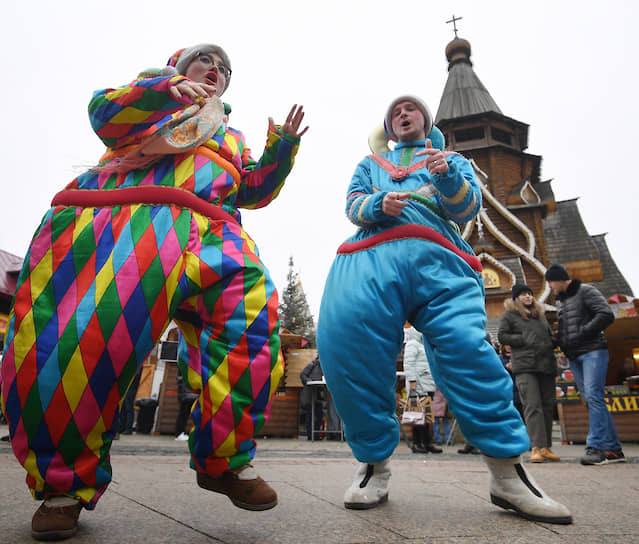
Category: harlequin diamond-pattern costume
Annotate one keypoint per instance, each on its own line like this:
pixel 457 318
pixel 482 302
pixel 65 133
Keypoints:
pixel 115 259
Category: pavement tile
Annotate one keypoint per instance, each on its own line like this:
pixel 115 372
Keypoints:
pixel 433 498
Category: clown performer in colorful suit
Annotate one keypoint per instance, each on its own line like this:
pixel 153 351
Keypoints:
pixel 408 262
pixel 152 234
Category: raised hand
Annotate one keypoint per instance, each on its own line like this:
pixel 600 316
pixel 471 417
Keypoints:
pixel 293 122
pixel 435 160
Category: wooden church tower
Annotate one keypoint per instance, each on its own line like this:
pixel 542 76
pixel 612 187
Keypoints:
pixel 521 229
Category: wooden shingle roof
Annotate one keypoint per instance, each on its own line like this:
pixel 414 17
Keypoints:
pixel 566 236
pixel 464 93
pixel 544 190
pixel 568 240
pixel 613 282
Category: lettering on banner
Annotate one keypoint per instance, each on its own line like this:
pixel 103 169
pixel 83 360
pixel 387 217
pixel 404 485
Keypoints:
pixel 626 404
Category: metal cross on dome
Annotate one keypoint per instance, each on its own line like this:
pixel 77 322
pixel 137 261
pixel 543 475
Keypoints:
pixel 454 21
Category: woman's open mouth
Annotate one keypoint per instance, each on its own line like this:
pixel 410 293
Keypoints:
pixel 211 78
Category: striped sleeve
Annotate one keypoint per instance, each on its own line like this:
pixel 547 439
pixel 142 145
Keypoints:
pixel 459 195
pixel 126 115
pixel 363 206
pixel 263 180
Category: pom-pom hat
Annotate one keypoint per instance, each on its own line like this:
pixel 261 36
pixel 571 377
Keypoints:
pixel 421 105
pixel 180 60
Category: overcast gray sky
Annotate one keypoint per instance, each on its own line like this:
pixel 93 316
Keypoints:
pixel 565 68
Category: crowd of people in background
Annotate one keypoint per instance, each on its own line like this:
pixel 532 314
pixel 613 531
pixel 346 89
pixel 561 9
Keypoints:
pixel 533 374
pixel 528 346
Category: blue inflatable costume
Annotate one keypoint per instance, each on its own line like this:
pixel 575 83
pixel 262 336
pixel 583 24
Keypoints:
pixel 410 263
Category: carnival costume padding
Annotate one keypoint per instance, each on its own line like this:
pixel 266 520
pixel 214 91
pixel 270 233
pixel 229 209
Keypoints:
pixel 116 258
pixel 415 267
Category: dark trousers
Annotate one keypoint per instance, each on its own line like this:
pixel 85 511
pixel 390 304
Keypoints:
pixel 184 412
pixel 422 436
pixel 128 410
pixel 318 420
pixel 537 392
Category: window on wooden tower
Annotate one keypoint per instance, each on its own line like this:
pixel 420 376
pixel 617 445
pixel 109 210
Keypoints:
pixel 500 135
pixel 467 134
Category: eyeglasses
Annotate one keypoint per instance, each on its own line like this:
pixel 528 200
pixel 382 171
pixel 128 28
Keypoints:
pixel 209 62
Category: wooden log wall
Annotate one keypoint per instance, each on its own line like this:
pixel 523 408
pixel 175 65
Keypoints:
pixel 574 423
pixel 283 422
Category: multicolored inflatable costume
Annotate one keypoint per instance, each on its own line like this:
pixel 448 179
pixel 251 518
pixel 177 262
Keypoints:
pixel 117 257
pixel 417 268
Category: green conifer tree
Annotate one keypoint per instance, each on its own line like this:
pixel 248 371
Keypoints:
pixel 295 314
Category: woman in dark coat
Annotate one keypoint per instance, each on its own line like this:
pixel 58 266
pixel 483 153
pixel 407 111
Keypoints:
pixel 524 328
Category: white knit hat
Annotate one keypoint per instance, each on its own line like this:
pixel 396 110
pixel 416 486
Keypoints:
pixel 428 118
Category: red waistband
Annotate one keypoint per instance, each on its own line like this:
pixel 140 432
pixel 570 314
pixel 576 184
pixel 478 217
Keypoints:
pixel 404 232
pixel 147 194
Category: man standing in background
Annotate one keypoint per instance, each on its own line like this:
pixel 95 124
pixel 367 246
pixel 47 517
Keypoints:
pixel 583 314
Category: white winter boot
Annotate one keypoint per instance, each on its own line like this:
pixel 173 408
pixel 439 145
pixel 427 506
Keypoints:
pixel 512 488
pixel 369 487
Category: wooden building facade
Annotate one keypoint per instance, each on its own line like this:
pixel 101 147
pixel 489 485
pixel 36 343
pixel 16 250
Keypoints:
pixel 522 229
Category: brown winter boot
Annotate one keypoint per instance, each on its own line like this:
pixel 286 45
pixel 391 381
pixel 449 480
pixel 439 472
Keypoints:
pixel 547 453
pixel 244 487
pixel 56 519
pixel 536 456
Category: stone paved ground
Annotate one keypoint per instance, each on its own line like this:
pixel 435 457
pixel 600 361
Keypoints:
pixel 433 498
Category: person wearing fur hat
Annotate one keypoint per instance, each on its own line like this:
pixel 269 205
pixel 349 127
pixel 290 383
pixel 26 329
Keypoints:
pixel 152 234
pixel 525 329
pixel 407 261
pixel 582 314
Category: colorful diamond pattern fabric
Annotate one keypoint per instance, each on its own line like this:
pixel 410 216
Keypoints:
pixel 98 288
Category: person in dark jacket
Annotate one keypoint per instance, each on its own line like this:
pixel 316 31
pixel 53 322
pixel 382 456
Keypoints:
pixel 127 413
pixel 524 328
pixel 186 399
pixel 583 314
pixel 311 372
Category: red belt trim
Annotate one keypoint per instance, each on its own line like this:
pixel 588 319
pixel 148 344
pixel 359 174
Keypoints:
pixel 405 232
pixel 147 194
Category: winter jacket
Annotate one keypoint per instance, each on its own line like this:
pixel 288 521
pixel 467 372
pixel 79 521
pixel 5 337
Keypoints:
pixel 583 314
pixel 416 364
pixel 311 372
pixel 436 200
pixel 530 339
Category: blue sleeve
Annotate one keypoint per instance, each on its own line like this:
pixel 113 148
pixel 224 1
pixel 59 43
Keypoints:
pixel 363 205
pixel 459 194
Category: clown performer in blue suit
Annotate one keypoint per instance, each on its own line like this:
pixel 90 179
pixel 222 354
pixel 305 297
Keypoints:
pixel 408 262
